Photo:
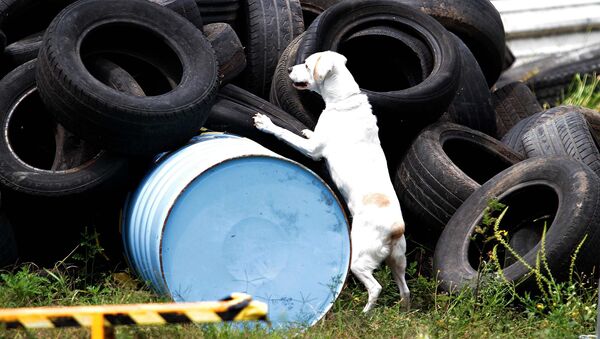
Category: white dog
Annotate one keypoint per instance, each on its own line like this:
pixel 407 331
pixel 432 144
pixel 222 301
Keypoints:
pixel 346 135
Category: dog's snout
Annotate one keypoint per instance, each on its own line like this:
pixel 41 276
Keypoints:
pixel 290 69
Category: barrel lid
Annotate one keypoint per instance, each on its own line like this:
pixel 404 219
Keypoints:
pixel 261 225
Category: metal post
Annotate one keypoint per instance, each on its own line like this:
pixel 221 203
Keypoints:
pixel 97 326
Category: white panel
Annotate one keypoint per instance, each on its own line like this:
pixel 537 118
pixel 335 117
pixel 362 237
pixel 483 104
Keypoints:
pixel 561 20
pixel 508 6
pixel 532 48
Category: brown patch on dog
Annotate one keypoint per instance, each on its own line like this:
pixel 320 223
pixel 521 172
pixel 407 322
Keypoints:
pixel 397 230
pixel 377 199
pixel 315 68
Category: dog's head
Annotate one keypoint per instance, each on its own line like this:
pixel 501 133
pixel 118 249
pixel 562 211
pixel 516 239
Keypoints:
pixel 316 69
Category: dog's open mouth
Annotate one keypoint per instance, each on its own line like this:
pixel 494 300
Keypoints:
pixel 301 85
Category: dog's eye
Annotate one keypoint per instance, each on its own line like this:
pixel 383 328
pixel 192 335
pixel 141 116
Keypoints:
pixel 305 65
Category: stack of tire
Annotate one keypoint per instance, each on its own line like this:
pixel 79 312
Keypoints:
pixel 91 90
pixel 95 88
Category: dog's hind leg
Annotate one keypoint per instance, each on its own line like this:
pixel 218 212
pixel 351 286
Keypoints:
pixel 364 273
pixel 397 263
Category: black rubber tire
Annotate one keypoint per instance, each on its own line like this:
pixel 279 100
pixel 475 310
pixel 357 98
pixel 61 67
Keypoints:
pixel 254 104
pixel 186 8
pixel 234 111
pixel 72 151
pixel 271 26
pixel 472 104
pixel 551 85
pixel 312 8
pixel 509 58
pixel 431 97
pixel 112 119
pixel 228 49
pixel 513 103
pixel 522 241
pixel 527 71
pixel 513 138
pixel 23 50
pixel 2 41
pixel 31 173
pixel 8 244
pixel 306 105
pixel 565 135
pixel 533 188
pixel 477 23
pixel 225 11
pixel 445 164
pixel 112 75
pixel 303 105
pixel 21 18
pixel 413 72
pixel 149 71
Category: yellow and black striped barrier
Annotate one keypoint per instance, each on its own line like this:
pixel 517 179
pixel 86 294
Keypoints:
pixel 237 307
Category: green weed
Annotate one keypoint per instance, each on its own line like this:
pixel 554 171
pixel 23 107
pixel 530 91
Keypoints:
pixel 583 91
pixel 493 310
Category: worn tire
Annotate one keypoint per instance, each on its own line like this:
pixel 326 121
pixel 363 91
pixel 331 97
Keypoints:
pixel 271 26
pixel 307 105
pixel 303 105
pixel 27 166
pixel 533 188
pixel 8 244
pixel 228 49
pixel 112 119
pixel 577 58
pixel 445 164
pixel 2 41
pixel 564 135
pixel 113 76
pixel 186 8
pixel 21 18
pixel 513 138
pixel 224 11
pixel 522 241
pixel 551 85
pixel 72 151
pixel 234 111
pixel 23 50
pixel 312 8
pixel 509 58
pixel 420 104
pixel 513 103
pixel 472 104
pixel 477 23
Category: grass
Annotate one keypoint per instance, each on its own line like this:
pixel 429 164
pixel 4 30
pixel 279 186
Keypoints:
pixel 495 310
pixel 492 311
pixel 584 91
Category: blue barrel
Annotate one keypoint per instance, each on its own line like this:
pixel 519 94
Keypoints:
pixel 224 214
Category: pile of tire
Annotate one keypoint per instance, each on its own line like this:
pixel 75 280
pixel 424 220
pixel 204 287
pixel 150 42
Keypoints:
pixel 93 89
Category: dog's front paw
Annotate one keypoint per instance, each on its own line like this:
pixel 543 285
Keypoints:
pixel 307 133
pixel 263 122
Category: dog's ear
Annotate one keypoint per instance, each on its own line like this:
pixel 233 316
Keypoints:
pixel 325 64
pixel 341 58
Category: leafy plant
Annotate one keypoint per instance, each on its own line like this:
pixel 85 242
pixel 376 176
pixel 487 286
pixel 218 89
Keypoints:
pixel 572 303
